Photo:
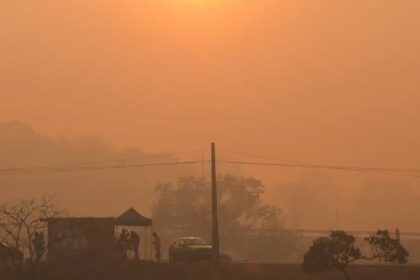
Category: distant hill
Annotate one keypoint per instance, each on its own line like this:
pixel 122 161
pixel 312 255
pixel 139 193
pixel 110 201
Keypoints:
pixel 106 192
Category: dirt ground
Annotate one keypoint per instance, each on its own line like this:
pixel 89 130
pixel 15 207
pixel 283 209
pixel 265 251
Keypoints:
pixel 131 271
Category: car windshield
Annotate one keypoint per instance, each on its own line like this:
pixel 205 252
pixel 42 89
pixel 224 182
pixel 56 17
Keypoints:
pixel 195 241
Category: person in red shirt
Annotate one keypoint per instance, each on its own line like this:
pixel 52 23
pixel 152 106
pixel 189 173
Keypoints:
pixel 156 244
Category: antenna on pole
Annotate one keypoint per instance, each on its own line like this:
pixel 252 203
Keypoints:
pixel 215 222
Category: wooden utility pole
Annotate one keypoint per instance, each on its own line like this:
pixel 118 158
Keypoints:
pixel 215 222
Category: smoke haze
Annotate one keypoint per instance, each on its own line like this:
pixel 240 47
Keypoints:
pixel 316 81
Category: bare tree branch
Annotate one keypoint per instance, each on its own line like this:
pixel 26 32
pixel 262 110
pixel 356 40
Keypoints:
pixel 18 225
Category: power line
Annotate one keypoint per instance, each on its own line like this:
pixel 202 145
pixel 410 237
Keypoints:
pixel 378 170
pixel 124 163
pixel 292 163
pixel 253 155
pixel 247 154
pixel 90 163
pixel 92 168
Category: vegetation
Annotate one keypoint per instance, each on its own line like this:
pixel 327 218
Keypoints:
pixel 338 250
pixel 386 248
pixel 20 223
pixel 335 251
pixel 184 208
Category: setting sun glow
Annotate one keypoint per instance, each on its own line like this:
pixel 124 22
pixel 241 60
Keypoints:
pixel 313 103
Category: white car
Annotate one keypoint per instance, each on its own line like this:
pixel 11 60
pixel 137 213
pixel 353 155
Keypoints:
pixel 193 249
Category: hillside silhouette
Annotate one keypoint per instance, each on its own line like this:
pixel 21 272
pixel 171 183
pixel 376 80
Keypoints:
pixel 21 146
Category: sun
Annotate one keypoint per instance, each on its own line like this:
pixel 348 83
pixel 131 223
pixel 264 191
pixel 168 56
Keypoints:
pixel 200 3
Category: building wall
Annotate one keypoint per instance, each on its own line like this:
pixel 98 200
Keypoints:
pixel 81 238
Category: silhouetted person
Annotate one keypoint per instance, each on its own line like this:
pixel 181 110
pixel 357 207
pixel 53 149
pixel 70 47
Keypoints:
pixel 135 243
pixel 156 245
pixel 123 242
pixel 39 244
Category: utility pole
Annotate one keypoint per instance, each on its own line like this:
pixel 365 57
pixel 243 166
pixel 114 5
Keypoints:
pixel 215 222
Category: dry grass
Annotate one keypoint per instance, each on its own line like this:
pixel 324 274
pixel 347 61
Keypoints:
pixel 150 271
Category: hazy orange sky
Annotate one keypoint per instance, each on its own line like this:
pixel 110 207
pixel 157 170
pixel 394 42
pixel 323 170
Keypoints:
pixel 322 81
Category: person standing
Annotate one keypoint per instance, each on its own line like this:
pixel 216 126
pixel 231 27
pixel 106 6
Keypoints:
pixel 135 243
pixel 156 245
pixel 123 243
pixel 39 244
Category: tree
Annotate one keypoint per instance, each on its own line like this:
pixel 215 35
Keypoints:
pixel 187 203
pixel 184 208
pixel 336 251
pixel 384 247
pixel 20 223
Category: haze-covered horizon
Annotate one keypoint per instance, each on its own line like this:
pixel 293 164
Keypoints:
pixel 324 82
pixel 110 107
pixel 307 198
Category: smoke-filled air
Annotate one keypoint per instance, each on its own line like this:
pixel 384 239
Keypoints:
pixel 209 139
